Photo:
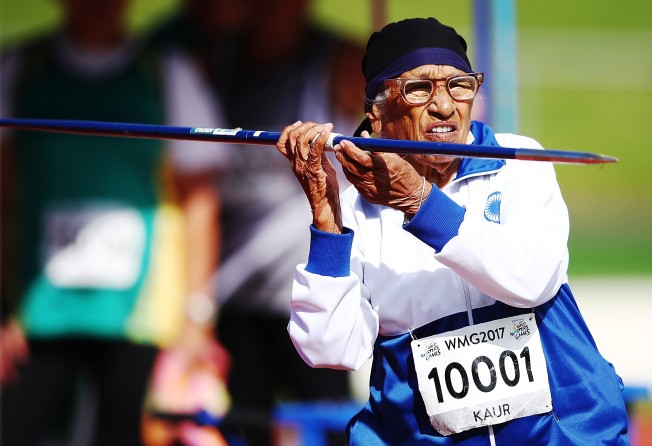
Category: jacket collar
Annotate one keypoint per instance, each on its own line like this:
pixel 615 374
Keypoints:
pixel 469 167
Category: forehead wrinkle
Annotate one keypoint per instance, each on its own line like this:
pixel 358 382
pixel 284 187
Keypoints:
pixel 432 72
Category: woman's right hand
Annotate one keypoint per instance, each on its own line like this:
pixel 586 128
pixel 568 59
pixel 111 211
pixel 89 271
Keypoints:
pixel 302 143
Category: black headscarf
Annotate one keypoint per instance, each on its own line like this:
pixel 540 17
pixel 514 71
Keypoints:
pixel 407 44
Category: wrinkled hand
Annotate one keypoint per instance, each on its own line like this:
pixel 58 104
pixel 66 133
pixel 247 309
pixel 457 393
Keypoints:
pixel 302 143
pixel 382 178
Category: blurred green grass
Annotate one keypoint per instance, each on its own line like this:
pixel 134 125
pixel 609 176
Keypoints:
pixel 585 83
pixel 21 18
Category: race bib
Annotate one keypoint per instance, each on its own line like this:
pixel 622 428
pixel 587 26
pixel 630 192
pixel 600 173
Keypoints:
pixel 94 246
pixel 482 375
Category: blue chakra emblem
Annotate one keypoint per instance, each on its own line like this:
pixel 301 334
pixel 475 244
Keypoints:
pixel 492 208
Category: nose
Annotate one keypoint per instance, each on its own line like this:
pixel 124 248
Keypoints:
pixel 441 102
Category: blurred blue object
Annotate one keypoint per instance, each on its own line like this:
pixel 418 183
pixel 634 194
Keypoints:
pixel 313 421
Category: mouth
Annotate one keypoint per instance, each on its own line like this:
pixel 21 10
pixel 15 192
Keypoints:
pixel 442 131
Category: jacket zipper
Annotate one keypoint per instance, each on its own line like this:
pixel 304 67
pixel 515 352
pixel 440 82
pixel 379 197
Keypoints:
pixel 467 297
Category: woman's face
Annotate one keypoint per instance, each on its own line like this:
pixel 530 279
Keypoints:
pixel 441 119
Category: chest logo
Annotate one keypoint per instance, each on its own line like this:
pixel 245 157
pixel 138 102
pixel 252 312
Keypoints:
pixel 492 208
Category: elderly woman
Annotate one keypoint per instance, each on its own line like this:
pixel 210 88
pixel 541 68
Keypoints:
pixel 450 272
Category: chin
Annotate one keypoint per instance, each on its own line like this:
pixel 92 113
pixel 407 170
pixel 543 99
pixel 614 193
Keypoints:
pixel 432 160
pixel 437 163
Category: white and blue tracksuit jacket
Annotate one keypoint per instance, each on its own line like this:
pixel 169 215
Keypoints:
pixel 491 244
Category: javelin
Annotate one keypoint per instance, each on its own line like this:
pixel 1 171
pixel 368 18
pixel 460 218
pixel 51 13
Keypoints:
pixel 239 135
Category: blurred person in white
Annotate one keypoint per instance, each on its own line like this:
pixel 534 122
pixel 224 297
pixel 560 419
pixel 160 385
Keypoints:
pixel 112 242
pixel 274 66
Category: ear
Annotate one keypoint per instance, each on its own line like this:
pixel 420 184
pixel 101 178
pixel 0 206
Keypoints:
pixel 374 119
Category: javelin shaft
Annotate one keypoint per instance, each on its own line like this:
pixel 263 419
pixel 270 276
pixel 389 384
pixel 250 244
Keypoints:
pixel 238 135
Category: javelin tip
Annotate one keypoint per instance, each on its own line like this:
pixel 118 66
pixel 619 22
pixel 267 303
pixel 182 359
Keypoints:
pixel 562 157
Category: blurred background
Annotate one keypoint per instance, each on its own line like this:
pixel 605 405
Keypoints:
pixel 583 82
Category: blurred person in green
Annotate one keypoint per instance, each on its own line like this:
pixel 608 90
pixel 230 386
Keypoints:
pixel 270 64
pixel 113 242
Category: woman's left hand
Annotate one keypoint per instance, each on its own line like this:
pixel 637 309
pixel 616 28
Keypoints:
pixel 381 178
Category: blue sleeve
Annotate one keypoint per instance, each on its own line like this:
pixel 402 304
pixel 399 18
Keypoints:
pixel 330 254
pixel 437 221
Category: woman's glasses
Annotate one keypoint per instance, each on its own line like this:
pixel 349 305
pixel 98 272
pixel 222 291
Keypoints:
pixel 419 91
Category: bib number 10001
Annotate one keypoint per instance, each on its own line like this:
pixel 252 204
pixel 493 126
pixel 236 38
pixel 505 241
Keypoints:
pixel 456 371
pixel 482 374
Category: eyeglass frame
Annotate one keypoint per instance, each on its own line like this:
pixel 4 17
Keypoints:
pixel 401 82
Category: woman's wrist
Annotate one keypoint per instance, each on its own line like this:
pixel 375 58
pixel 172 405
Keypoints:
pixel 327 219
pixel 423 194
